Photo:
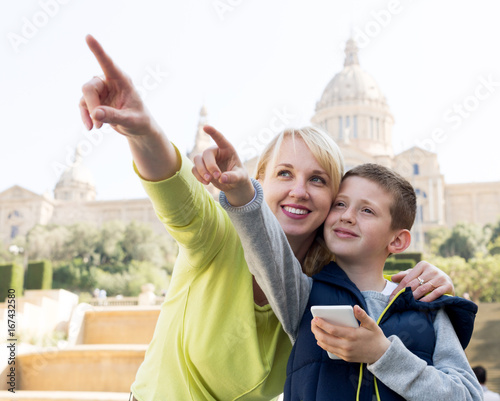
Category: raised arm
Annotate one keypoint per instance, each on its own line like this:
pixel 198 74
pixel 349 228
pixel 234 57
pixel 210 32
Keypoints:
pixel 268 254
pixel 113 99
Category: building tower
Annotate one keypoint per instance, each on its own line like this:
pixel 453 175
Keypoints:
pixel 354 111
pixel 202 140
pixel 76 183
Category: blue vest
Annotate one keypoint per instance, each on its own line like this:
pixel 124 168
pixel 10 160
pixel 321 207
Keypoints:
pixel 312 375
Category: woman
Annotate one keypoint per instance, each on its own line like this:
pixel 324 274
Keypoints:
pixel 217 337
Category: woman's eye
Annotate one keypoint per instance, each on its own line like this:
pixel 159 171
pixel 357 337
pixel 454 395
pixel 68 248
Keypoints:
pixel 284 173
pixel 318 179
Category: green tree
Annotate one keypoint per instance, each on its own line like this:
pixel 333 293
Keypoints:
pixel 435 237
pixel 47 242
pixel 140 243
pixel 116 256
pixel 465 240
pixel 494 247
pixel 479 277
pixel 82 242
pixel 129 282
pixel 495 232
pixel 109 245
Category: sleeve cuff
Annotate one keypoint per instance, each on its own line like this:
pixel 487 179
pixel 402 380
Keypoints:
pixel 254 204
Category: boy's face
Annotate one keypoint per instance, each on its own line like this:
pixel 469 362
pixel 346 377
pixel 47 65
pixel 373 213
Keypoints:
pixel 358 227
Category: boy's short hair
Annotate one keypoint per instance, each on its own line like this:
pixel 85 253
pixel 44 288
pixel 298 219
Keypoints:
pixel 404 205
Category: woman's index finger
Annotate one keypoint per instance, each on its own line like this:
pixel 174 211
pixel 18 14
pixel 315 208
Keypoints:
pixel 108 67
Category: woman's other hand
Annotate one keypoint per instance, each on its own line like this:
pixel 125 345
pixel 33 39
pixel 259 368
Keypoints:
pixel 426 281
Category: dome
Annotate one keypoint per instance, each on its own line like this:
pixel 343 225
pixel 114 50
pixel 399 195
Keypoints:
pixel 352 84
pixel 77 173
pixel 76 182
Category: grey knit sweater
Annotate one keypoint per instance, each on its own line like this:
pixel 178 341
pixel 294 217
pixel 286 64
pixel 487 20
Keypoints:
pixel 279 274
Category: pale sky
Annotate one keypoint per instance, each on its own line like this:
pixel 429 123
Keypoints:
pixel 437 62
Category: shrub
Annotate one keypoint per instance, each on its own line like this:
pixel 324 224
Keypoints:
pixel 128 283
pixel 389 265
pixel 39 275
pixel 403 264
pixel 12 276
pixel 415 256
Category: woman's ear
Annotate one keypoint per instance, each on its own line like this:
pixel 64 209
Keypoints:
pixel 400 242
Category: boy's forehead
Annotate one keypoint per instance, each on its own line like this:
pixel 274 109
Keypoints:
pixel 364 186
pixel 346 182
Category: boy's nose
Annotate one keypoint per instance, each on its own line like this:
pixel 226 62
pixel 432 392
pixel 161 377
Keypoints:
pixel 347 216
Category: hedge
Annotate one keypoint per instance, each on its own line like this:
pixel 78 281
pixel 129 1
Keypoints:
pixel 415 256
pixel 12 276
pixel 403 264
pixel 389 265
pixel 39 275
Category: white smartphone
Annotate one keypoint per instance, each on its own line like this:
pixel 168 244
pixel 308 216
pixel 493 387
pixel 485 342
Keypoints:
pixel 340 315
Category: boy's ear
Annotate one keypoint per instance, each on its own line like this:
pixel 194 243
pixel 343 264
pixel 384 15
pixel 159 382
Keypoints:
pixel 400 242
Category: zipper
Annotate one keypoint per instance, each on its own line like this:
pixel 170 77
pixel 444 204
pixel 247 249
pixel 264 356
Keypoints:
pixel 362 364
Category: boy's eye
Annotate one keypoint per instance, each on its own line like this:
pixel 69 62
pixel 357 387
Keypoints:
pixel 339 204
pixel 366 210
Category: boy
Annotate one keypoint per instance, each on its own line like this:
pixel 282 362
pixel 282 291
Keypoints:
pixel 412 352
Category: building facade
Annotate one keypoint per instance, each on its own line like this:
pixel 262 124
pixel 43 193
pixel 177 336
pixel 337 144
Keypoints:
pixel 352 109
pixel 73 201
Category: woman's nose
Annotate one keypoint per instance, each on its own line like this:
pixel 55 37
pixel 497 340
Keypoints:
pixel 299 190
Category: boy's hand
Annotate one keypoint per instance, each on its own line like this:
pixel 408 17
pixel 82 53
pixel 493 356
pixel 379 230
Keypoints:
pixel 425 280
pixel 221 166
pixel 364 344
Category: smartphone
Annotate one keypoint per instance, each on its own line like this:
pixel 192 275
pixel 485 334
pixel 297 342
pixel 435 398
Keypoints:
pixel 340 315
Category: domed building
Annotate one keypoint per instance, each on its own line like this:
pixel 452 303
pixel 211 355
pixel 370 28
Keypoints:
pixel 352 109
pixel 76 182
pixel 355 112
pixel 74 201
pixel 74 193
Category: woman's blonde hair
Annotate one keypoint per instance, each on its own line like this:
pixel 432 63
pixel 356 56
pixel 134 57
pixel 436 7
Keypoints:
pixel 328 155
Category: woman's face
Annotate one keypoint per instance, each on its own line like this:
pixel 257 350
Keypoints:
pixel 297 189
